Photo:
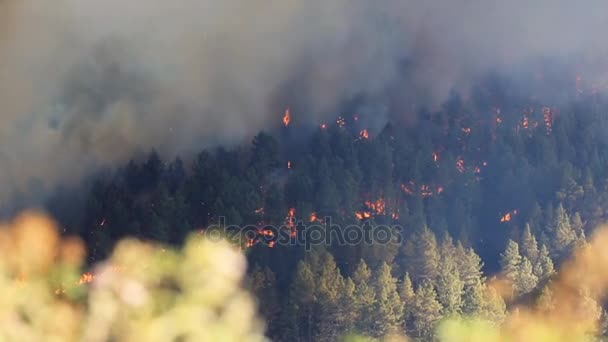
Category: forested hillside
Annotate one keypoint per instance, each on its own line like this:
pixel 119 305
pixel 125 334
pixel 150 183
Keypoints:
pixel 494 184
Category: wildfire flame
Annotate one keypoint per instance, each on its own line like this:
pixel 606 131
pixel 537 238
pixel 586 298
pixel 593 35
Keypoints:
pixel 364 134
pixel 548 118
pixel 466 130
pixel 379 206
pixel 313 217
pixel 289 164
pixel 86 278
pixel 290 221
pixel 435 157
pixel 286 118
pixel 341 122
pixel 508 216
pixel 362 215
pixel 460 165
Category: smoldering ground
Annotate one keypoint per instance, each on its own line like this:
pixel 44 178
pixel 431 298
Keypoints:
pixel 87 83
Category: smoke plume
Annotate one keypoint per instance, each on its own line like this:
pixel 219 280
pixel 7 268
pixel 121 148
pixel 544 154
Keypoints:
pixel 87 83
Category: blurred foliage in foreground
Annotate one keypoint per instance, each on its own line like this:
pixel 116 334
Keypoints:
pixel 141 293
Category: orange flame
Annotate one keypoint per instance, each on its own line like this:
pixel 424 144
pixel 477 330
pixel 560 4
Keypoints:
pixel 548 118
pixel 508 216
pixel 86 278
pixel 460 165
pixel 313 217
pixel 361 215
pixel 286 118
pixel 289 164
pixel 435 157
pixel 364 134
pixel 289 221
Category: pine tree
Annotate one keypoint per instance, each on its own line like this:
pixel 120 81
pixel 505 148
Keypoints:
pixel 330 288
pixel 427 310
pixel 510 261
pixel 302 299
pixel 262 283
pixel 525 281
pixel 563 234
pixel 576 222
pixel 364 299
pixel 407 295
pixel 388 307
pixel 529 244
pixel 543 269
pixel 494 307
pixel 449 286
pixel 426 259
pixel 473 298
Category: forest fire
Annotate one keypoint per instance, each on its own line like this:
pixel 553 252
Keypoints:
pixel 424 191
pixel 364 134
pixel 286 118
pixel 435 157
pixel 341 122
pixel 548 118
pixel 362 215
pixel 289 164
pixel 86 278
pixel 508 216
pixel 313 217
pixel 466 130
pixel 460 165
pixel 290 221
pixel 379 206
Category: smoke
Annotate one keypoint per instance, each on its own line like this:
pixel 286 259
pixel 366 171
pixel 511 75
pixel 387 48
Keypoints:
pixel 568 309
pixel 88 83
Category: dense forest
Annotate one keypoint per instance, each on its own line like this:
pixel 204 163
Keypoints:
pixel 494 184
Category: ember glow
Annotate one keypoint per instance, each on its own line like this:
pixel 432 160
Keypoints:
pixel 290 221
pixel 508 216
pixel 548 118
pixel 364 134
pixel 86 278
pixel 460 165
pixel 286 118
pixel 435 157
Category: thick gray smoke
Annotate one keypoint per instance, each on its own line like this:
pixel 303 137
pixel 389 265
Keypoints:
pixel 85 83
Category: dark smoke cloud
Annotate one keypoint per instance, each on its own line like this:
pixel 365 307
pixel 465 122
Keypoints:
pixel 86 83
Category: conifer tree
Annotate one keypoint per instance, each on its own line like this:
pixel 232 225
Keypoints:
pixel 449 286
pixel 529 244
pixel 388 307
pixel 526 280
pixel 473 298
pixel 543 269
pixel 510 260
pixel 408 296
pixel 563 234
pixel 364 297
pixel 427 310
pixel 426 259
